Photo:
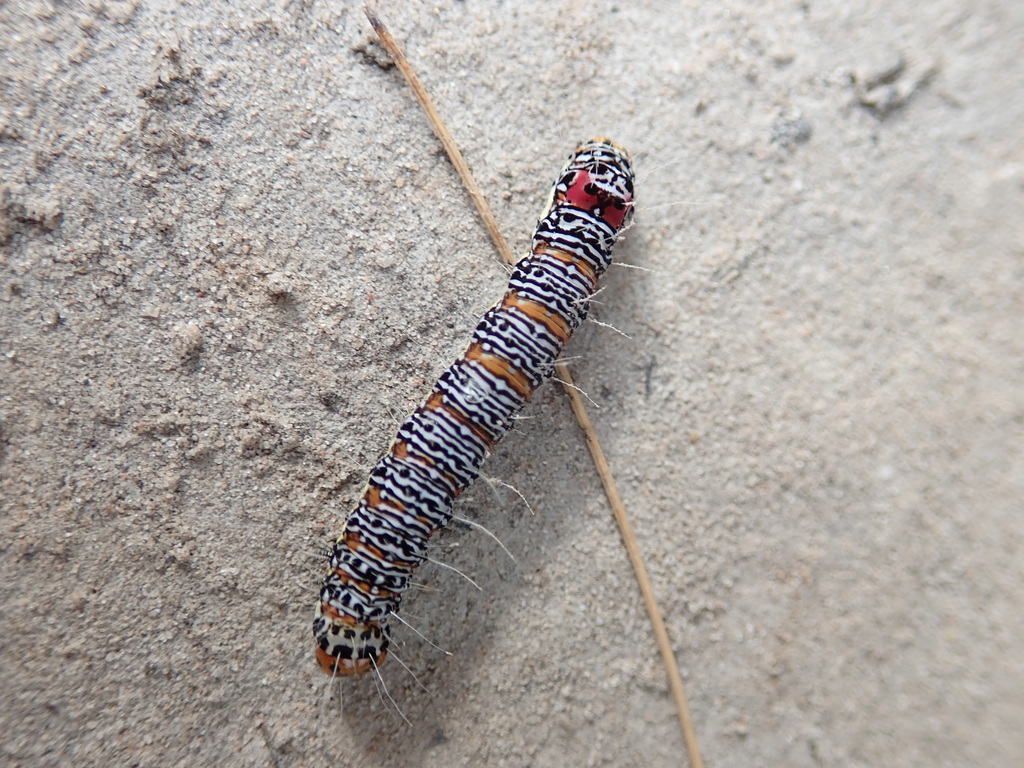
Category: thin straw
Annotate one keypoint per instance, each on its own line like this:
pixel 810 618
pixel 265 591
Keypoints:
pixel 675 680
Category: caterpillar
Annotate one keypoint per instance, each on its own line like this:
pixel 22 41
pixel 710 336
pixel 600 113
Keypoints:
pixel 439 449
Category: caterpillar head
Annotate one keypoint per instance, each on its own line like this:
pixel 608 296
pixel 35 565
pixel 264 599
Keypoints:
pixel 599 179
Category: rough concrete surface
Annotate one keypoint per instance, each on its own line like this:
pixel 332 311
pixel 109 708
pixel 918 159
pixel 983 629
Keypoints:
pixel 233 257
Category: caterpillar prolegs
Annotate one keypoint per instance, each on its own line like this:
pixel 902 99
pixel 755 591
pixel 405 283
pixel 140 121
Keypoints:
pixel 438 450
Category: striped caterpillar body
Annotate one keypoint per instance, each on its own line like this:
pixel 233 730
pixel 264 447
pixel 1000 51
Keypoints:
pixel 438 450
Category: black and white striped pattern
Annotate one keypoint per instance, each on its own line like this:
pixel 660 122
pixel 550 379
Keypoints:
pixel 438 450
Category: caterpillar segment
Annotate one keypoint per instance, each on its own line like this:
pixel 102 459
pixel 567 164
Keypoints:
pixel 439 449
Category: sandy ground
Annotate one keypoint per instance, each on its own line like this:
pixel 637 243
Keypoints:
pixel 234 257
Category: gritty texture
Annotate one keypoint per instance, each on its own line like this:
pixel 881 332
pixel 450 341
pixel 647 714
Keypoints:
pixel 233 258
